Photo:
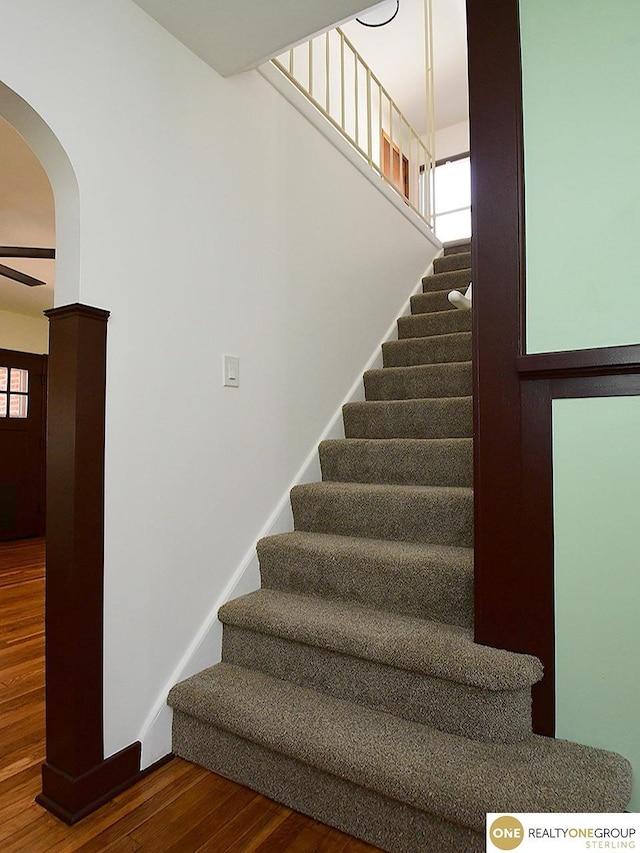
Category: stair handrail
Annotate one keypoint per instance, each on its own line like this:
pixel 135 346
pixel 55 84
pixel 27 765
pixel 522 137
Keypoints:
pixel 396 152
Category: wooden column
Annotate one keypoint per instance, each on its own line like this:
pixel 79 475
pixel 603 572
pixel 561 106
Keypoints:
pixel 75 777
pixel 513 544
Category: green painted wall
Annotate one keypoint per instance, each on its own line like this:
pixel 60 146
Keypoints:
pixel 581 94
pixel 596 457
pixel 581 89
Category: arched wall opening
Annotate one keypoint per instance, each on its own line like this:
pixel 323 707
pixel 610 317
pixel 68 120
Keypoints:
pixel 76 777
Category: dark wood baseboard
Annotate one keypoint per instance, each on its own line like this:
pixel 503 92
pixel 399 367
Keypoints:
pixel 72 798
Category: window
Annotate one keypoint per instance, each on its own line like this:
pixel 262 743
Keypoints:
pixel 453 199
pixel 14 392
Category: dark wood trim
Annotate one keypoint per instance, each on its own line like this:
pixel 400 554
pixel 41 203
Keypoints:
pixel 76 778
pixel 71 798
pixel 26 252
pixel 20 277
pixel 599 361
pixel 514 391
pixel 512 530
pixel 102 783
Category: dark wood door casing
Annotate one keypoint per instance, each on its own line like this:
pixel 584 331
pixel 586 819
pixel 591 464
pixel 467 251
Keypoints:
pixel 514 391
pixel 513 599
pixel 22 450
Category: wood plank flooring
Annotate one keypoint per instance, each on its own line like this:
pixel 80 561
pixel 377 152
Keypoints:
pixel 180 808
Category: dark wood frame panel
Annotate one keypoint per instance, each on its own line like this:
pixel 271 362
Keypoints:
pixel 76 777
pixel 513 392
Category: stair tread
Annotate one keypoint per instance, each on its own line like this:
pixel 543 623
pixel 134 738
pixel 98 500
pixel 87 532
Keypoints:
pixel 405 461
pixel 398 552
pixel 407 404
pixel 446 336
pixel 417 578
pixel 457 261
pixel 419 381
pixel 451 246
pixel 438 514
pixel 432 349
pixel 406 642
pixel 447 775
pixel 419 417
pixel 385 488
pixel 434 323
pixel 433 302
pixel 448 280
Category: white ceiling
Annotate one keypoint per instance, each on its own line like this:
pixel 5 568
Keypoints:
pixel 26 219
pixel 234 35
pixel 395 53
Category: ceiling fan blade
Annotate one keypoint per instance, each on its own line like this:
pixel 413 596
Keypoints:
pixel 26 252
pixel 22 277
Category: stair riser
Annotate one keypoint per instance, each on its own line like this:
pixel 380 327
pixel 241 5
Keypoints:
pixel 419 382
pixel 365 814
pixel 458 261
pixel 449 417
pixel 442 520
pixel 420 463
pixel 438 323
pixel 457 250
pixel 452 280
pixel 427 587
pixel 426 303
pixel 485 715
pixel 436 350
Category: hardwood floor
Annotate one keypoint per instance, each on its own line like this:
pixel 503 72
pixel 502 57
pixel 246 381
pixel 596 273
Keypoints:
pixel 180 808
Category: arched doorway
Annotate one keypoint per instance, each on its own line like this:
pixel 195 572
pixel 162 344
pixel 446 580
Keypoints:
pixel 76 778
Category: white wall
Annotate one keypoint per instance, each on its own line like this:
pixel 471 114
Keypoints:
pixel 23 333
pixel 452 140
pixel 213 218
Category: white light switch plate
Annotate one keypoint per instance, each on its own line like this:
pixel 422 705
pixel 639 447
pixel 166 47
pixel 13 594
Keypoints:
pixel 231 375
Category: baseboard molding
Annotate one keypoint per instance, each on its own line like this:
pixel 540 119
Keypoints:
pixel 72 798
pixel 205 648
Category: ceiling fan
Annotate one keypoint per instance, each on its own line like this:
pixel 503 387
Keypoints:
pixel 23 252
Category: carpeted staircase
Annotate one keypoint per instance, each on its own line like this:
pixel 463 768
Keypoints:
pixel 350 687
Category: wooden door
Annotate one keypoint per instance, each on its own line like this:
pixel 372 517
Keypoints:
pixel 22 444
pixel 391 165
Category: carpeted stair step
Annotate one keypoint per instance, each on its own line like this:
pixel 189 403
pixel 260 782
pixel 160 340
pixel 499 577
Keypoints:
pixel 437 323
pixel 457 261
pixel 417 579
pixel 431 350
pixel 428 303
pixel 442 515
pixel 403 461
pixel 420 380
pixel 455 247
pixel 454 280
pixel 440 417
pixel 394 783
pixel 418 669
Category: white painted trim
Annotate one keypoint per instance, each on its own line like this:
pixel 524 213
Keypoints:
pixel 205 648
pixel 304 106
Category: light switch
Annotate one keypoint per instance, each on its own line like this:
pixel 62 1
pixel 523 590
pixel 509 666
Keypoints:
pixel 231 376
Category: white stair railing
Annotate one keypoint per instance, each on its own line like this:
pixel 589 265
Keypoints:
pixel 331 73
